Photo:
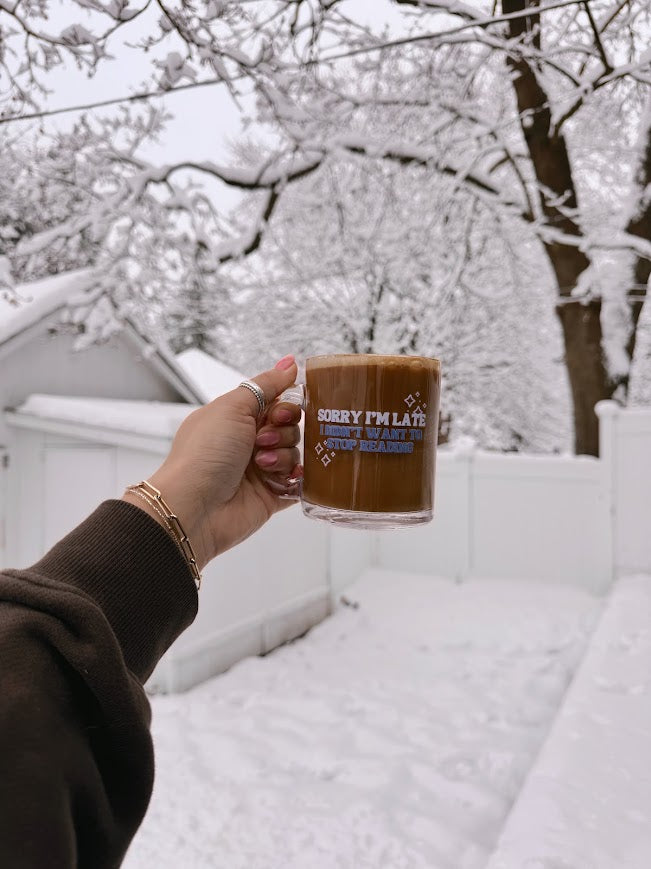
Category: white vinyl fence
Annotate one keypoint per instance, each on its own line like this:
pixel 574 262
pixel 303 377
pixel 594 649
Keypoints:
pixel 570 519
pixel 268 590
pixel 512 516
pixel 549 518
pixel 626 456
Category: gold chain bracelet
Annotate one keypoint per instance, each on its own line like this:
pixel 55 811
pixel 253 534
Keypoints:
pixel 153 497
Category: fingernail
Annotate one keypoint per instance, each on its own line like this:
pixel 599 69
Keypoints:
pixel 297 473
pixel 282 415
pixel 285 363
pixel 266 459
pixel 267 439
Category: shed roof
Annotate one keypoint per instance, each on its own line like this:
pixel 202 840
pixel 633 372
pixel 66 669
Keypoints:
pixel 36 300
pixel 41 299
pixel 210 376
pixel 151 418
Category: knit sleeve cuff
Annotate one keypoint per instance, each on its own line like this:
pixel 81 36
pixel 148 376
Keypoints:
pixel 130 566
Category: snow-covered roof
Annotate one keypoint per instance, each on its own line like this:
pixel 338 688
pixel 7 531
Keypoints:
pixel 209 376
pixel 158 419
pixel 39 299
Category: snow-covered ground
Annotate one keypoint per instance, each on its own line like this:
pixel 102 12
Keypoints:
pixel 395 734
pixel 586 801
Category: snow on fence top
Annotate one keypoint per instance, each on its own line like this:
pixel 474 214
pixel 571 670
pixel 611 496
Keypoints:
pixel 151 418
pixel 209 376
pixel 38 299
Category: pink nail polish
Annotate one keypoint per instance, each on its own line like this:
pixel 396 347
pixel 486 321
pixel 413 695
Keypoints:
pixel 267 439
pixel 285 363
pixel 266 459
pixel 282 415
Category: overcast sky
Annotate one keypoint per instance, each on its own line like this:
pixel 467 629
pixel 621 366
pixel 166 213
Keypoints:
pixel 204 119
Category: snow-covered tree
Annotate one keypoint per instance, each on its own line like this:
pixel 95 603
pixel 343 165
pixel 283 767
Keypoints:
pixel 506 104
pixel 41 185
pixel 355 260
pixel 194 316
pixel 59 211
pixel 534 109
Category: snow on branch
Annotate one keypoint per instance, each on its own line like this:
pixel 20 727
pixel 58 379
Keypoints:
pixel 606 240
pixel 263 177
pixel 451 7
pixel 410 155
pixel 240 247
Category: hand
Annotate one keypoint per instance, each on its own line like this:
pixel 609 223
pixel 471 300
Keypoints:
pixel 214 478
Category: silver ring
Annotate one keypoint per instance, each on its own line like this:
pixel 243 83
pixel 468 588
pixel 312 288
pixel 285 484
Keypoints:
pixel 259 394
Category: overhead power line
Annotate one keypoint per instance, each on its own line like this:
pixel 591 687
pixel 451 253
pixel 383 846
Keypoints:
pixel 479 22
pixel 132 98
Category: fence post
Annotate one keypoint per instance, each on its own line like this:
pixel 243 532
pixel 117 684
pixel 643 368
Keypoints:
pixel 608 413
pixel 465 455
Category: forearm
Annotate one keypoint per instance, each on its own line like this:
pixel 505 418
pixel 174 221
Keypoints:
pixel 133 572
pixel 79 632
pixel 83 628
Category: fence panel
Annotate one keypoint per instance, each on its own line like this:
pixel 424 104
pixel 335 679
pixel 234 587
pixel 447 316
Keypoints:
pixel 530 517
pixel 626 450
pixel 540 517
pixel 440 548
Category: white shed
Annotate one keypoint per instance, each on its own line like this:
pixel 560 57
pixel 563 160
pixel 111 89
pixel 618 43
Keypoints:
pixel 37 355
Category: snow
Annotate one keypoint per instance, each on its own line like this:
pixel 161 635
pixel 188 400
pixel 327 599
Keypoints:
pixel 258 177
pixel 6 277
pixel 175 68
pixel 396 734
pixel 151 418
pixel 38 299
pixel 77 34
pixel 586 801
pixel 640 193
pixel 417 155
pixel 209 376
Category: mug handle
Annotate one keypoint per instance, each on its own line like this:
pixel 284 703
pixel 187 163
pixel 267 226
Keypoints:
pixel 292 489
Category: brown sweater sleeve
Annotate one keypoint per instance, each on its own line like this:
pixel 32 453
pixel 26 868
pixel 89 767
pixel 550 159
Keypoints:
pixel 79 633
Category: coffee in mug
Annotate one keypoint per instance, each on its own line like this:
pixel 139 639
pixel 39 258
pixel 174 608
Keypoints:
pixel 371 425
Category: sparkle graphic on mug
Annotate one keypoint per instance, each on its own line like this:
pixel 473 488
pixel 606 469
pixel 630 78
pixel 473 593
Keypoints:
pixel 410 400
pixel 418 409
pixel 325 458
pixel 418 395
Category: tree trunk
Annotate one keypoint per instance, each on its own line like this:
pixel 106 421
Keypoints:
pixel 580 322
pixel 640 224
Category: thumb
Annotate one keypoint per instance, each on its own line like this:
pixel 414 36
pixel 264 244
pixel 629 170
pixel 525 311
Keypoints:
pixel 272 383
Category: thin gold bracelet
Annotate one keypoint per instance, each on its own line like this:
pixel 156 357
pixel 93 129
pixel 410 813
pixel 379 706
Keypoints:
pixel 152 504
pixel 154 498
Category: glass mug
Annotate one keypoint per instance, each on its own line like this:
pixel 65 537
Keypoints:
pixel 369 450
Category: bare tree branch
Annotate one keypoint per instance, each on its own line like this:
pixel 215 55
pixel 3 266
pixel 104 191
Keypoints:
pixel 597 38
